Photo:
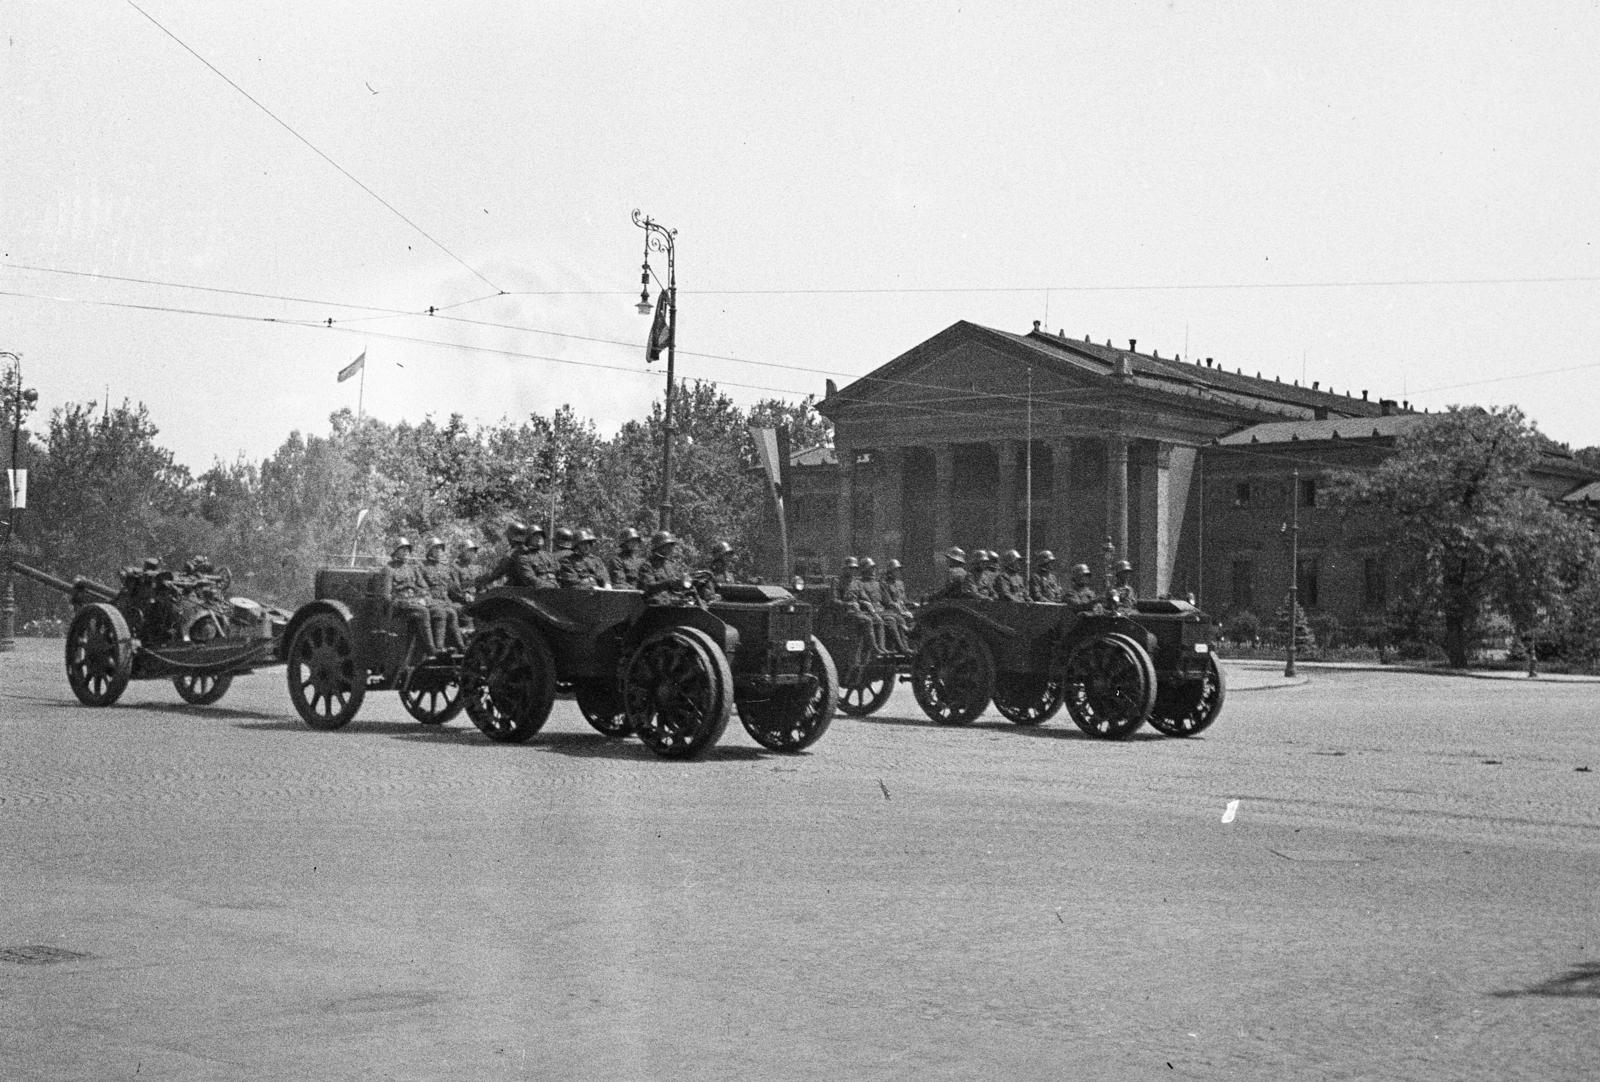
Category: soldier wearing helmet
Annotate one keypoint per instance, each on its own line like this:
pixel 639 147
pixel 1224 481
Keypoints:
pixel 895 628
pixel 959 584
pixel 527 566
pixel 1010 584
pixel 1122 595
pixel 664 578
pixel 581 569
pixel 849 592
pixel 1081 595
pixel 1043 584
pixel 988 570
pixel 624 565
pixel 721 563
pixel 464 575
pixel 894 593
pixel 442 618
pixel 401 584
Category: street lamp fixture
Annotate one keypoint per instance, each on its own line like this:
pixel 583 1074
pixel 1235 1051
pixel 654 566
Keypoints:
pixel 658 237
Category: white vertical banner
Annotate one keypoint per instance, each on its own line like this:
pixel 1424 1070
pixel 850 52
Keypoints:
pixel 768 447
pixel 17 486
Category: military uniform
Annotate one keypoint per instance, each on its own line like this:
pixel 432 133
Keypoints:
pixel 984 584
pixel 440 578
pixel 960 586
pixel 1010 586
pixel 662 580
pixel 583 571
pixel 401 583
pixel 464 580
pixel 623 569
pixel 889 619
pixel 1044 586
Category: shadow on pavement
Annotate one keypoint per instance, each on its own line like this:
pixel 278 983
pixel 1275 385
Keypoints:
pixel 1581 981
pixel 207 711
pixel 1051 730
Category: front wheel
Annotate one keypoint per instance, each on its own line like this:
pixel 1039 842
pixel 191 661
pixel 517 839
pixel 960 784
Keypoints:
pixel 202 689
pixel 792 719
pixel 1110 685
pixel 326 681
pixel 952 675
pixel 1027 698
pixel 508 679
pixel 1191 706
pixel 99 654
pixel 678 692
pixel 867 693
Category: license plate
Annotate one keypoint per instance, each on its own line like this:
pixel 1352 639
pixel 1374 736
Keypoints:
pixel 795 646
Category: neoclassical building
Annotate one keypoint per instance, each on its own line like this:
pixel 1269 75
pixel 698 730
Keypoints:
pixel 987 438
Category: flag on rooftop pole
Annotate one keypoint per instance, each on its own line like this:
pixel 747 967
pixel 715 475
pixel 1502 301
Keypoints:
pixel 353 367
pixel 660 330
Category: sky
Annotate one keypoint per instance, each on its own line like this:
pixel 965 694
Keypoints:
pixel 1396 197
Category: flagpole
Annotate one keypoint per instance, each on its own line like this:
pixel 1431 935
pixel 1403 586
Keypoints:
pixel 361 389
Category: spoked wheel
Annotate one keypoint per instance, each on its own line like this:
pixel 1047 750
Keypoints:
pixel 1027 698
pixel 432 693
pixel 952 675
pixel 602 707
pixel 1110 685
pixel 326 681
pixel 677 690
pixel 508 680
pixel 792 719
pixel 1187 708
pixel 867 691
pixel 99 654
pixel 202 689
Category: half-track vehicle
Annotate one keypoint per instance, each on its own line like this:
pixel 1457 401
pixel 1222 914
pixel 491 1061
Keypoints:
pixel 672 675
pixel 162 624
pixel 1113 670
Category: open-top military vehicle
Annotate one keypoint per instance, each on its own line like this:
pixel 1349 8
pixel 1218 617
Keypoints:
pixel 163 624
pixel 867 676
pixel 1113 670
pixel 669 674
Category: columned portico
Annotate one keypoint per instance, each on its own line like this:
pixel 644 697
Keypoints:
pixel 1117 491
pixel 1007 456
pixel 944 474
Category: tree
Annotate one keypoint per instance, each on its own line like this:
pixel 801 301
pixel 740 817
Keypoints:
pixel 1470 532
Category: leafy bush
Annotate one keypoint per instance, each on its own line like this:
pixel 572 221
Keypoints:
pixel 1242 627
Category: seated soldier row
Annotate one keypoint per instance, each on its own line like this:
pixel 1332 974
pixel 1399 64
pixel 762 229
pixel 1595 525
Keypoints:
pixel 1000 577
pixel 574 565
pixel 880 608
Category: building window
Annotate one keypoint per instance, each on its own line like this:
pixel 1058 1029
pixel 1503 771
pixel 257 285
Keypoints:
pixel 1244 574
pixel 1241 494
pixel 1305 581
pixel 1308 492
pixel 1374 583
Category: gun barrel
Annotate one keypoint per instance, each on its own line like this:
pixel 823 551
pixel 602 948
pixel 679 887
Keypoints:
pixel 88 586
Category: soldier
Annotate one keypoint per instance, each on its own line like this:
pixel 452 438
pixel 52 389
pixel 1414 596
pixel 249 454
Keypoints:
pixel 959 585
pixel 581 569
pixel 721 565
pixel 401 584
pixel 439 577
pixel 562 545
pixel 663 578
pixel 624 566
pixel 1081 596
pixel 988 561
pixel 894 627
pixel 1043 585
pixel 1010 584
pixel 464 575
pixel 527 566
pixel 894 593
pixel 1122 591
pixel 848 592
pixel 541 565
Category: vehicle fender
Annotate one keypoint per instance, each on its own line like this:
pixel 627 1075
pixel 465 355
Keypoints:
pixel 304 612
pixel 938 613
pixel 517 608
pixel 657 617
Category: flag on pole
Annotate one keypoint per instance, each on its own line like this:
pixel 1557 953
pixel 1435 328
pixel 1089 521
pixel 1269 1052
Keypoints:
pixel 660 330
pixel 353 367
pixel 767 447
pixel 17 482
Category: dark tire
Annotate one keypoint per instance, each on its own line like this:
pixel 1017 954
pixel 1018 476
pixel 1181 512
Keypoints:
pixel 202 689
pixel 99 654
pixel 1110 686
pixel 793 719
pixel 678 692
pixel 867 693
pixel 952 675
pixel 432 694
pixel 508 681
pixel 602 707
pixel 326 681
pixel 1027 698
pixel 1188 708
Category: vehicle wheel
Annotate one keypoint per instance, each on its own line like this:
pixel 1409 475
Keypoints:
pixel 432 694
pixel 952 675
pixel 1110 686
pixel 867 693
pixel 99 654
pixel 602 707
pixel 508 680
pixel 1027 698
pixel 202 689
pixel 792 719
pixel 678 691
pixel 1191 706
pixel 326 682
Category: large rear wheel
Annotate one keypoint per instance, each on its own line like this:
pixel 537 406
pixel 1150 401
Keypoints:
pixel 678 692
pixel 869 688
pixel 1027 698
pixel 793 718
pixel 1187 708
pixel 952 675
pixel 431 693
pixel 508 680
pixel 326 681
pixel 99 654
pixel 1110 685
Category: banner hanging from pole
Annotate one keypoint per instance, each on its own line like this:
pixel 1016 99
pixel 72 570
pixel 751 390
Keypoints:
pixel 17 485
pixel 353 367
pixel 660 329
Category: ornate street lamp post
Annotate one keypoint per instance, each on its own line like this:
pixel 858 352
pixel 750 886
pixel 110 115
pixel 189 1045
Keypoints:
pixel 8 602
pixel 660 238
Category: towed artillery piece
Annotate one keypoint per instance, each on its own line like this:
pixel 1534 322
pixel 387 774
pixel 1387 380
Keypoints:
pixel 1113 670
pixel 670 675
pixel 160 625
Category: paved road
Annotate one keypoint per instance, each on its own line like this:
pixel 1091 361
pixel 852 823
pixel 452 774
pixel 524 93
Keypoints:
pixel 1407 891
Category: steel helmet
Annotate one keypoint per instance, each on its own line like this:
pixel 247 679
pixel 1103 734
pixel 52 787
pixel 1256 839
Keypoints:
pixel 1044 557
pixel 399 543
pixel 892 565
pixel 1123 565
pixel 534 529
pixel 722 548
pixel 1080 571
pixel 515 530
pixel 563 538
pixel 851 563
pixel 1012 556
pixel 989 556
pixel 661 539
pixel 584 534
pixel 435 543
pixel 470 546
pixel 630 534
pixel 868 563
pixel 956 554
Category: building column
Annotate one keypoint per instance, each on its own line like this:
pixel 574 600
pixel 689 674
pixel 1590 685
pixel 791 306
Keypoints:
pixel 1005 494
pixel 944 479
pixel 1117 493
pixel 1060 539
pixel 1154 575
pixel 890 503
pixel 845 529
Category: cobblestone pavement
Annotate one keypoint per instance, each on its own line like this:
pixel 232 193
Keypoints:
pixel 1405 891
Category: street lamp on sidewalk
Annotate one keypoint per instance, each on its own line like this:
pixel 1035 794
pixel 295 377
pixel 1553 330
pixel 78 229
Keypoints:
pixel 660 238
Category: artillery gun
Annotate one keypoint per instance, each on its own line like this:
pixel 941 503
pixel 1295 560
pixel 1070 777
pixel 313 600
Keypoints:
pixel 671 675
pixel 162 624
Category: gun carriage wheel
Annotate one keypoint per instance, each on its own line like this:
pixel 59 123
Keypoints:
pixel 602 707
pixel 1110 685
pixel 326 681
pixel 202 689
pixel 432 694
pixel 99 654
pixel 793 718
pixel 1027 698
pixel 678 691
pixel 867 691
pixel 508 681
pixel 952 675
pixel 1184 709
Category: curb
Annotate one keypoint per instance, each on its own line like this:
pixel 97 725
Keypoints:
pixel 1419 670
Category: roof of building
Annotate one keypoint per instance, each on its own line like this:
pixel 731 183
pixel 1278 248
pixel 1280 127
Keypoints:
pixel 1333 428
pixel 819 455
pixel 1589 493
